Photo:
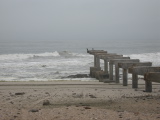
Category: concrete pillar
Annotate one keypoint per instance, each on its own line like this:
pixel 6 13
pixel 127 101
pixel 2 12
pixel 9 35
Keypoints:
pixel 97 61
pixel 148 86
pixel 117 73
pixel 93 70
pixel 110 71
pixel 134 80
pixel 150 77
pixel 106 66
pixel 141 71
pixel 94 60
pixel 125 77
pixel 126 65
pixel 116 61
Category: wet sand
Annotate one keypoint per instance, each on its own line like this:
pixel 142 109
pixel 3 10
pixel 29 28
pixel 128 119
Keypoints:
pixel 76 100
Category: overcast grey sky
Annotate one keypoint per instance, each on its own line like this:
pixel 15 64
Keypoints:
pixel 79 19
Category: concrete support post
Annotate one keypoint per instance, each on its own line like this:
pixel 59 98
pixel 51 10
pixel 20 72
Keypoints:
pixel 110 71
pixel 94 60
pixel 148 86
pixel 125 77
pixel 106 66
pixel 117 72
pixel 97 62
pixel 134 80
pixel 126 65
pixel 93 70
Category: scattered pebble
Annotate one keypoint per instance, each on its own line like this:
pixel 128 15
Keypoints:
pixel 46 102
pixel 86 107
pixel 20 93
pixel 34 110
pixel 92 96
pixel 11 102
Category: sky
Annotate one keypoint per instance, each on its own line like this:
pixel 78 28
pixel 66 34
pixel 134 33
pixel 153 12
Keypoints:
pixel 79 20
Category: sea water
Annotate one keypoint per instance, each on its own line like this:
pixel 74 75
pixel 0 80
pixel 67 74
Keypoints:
pixel 49 60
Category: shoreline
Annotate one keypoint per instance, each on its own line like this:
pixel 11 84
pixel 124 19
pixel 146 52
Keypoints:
pixel 72 100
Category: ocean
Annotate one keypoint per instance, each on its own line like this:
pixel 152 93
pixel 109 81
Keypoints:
pixel 49 60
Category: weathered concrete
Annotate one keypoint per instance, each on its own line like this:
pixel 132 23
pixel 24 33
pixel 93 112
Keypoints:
pixel 106 59
pixel 97 57
pixel 140 71
pixel 100 75
pixel 126 65
pixel 97 65
pixel 115 62
pixel 93 70
pixel 96 51
pixel 149 78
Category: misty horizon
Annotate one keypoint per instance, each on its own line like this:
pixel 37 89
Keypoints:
pixel 62 20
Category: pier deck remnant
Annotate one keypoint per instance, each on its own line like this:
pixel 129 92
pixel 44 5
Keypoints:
pixel 140 70
pixel 115 62
pixel 133 66
pixel 126 65
pixel 149 78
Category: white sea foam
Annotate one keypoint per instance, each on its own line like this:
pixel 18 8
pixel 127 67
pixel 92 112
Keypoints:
pixel 65 54
pixel 54 65
pixel 148 57
pixel 26 56
pixel 43 66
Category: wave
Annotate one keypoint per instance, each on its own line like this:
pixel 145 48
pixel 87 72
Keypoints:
pixel 26 56
pixel 55 65
pixel 147 57
pixel 65 54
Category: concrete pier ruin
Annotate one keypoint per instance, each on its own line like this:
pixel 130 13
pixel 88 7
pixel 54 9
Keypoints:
pixel 115 62
pixel 126 65
pixel 149 78
pixel 133 66
pixel 141 70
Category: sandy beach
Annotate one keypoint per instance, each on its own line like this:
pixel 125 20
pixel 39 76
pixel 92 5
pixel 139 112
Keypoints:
pixel 77 100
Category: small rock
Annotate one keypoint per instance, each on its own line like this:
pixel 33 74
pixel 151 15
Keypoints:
pixel 11 102
pixel 92 96
pixel 20 93
pixel 87 107
pixel 34 110
pixel 46 102
pixel 47 93
pixel 15 116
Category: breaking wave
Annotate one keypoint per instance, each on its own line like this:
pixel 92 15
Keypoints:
pixel 147 57
pixel 55 65
pixel 46 54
